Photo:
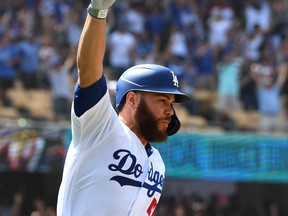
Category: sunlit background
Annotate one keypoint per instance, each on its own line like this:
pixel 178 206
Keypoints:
pixel 230 157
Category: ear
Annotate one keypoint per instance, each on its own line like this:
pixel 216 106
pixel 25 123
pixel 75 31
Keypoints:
pixel 131 99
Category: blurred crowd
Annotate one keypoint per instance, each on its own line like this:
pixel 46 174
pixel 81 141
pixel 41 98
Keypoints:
pixel 18 205
pixel 217 204
pixel 236 49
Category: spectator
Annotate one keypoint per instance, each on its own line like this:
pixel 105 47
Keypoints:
pixel 17 206
pixel 39 206
pixel 180 210
pixel 14 207
pixel 177 44
pixel 228 89
pixel 248 89
pixel 46 52
pixel 29 62
pixel 218 28
pixel 59 77
pixel 8 59
pixel 257 13
pixel 156 24
pixel 46 8
pixel 182 13
pixel 217 204
pixel 136 17
pixel 279 22
pixel 282 58
pixel 204 65
pixel 121 48
pixel 269 80
pixel 253 43
pixel 224 7
pixel 73 26
pixel 146 50
pixel 26 19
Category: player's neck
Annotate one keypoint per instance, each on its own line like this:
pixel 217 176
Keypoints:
pixel 134 128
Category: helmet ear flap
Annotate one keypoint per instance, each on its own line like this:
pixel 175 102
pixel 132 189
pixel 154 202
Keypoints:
pixel 174 125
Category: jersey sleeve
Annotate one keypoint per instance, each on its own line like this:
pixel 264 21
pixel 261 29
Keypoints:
pixel 93 116
pixel 85 98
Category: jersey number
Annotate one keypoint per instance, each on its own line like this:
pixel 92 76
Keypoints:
pixel 152 207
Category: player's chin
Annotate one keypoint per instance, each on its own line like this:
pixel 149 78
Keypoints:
pixel 163 130
pixel 163 126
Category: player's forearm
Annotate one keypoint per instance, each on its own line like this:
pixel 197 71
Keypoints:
pixel 91 50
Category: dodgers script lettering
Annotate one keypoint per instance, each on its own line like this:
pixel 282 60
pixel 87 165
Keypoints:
pixel 127 165
pixel 125 157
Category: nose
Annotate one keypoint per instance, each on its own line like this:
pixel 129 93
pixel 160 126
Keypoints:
pixel 170 110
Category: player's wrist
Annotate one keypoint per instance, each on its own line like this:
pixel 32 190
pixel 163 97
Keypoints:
pixel 97 13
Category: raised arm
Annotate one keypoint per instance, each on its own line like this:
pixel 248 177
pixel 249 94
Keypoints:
pixel 282 74
pixel 92 43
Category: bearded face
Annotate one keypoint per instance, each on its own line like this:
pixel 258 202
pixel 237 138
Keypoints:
pixel 148 123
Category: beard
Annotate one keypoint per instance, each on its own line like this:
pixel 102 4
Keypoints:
pixel 148 124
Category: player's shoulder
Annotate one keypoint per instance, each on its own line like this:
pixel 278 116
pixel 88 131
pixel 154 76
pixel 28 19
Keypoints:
pixel 88 97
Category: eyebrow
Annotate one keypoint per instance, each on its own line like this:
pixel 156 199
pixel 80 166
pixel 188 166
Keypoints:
pixel 166 95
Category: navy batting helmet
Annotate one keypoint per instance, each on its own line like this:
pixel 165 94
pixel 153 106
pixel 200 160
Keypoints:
pixel 151 78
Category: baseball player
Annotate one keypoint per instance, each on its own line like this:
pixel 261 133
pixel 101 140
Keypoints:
pixel 110 168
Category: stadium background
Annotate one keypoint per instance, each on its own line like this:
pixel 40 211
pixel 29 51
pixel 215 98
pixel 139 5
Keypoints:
pixel 220 163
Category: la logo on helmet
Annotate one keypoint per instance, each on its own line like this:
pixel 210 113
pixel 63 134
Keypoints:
pixel 175 80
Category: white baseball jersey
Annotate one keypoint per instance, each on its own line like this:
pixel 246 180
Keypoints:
pixel 108 171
